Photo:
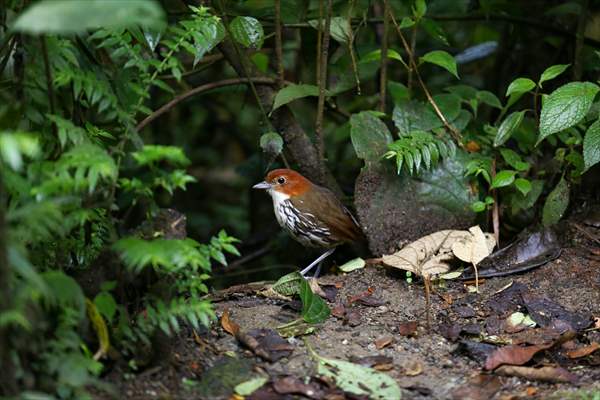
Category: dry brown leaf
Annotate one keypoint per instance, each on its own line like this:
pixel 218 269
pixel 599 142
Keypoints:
pixel 584 351
pixel 228 325
pixel 512 355
pixel 545 374
pixel 383 342
pixel 414 369
pixel 429 255
pixel 474 247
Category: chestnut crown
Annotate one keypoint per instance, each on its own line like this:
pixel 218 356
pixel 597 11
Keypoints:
pixel 287 181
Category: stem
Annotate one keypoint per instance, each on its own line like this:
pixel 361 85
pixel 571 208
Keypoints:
pixel 453 131
pixel 495 209
pixel 199 90
pixel 323 82
pixel 413 43
pixel 319 41
pixel 384 57
pixel 579 39
pixel 279 43
pixel 351 48
pixel 48 70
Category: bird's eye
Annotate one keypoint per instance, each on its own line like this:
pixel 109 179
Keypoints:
pixel 281 180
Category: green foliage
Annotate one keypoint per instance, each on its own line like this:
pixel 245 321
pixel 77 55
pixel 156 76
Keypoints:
pixel 247 31
pixel 78 16
pixel 556 203
pixel 294 92
pixel 442 59
pixel 418 149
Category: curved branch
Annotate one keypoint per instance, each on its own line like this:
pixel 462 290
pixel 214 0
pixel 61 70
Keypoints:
pixel 199 90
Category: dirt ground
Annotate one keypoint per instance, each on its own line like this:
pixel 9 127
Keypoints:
pixel 431 363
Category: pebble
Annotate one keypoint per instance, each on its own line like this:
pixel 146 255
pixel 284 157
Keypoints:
pixel 345 341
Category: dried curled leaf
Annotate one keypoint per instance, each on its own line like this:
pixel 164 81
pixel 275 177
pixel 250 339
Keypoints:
pixel 429 255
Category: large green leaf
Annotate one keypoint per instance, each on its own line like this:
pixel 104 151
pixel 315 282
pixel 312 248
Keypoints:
pixel 412 116
pixel 271 143
pixel 507 127
pixel 442 59
pixel 64 290
pixel 370 136
pixel 556 203
pixel 358 379
pixel 247 31
pixel 591 145
pixel 520 86
pixel 339 28
pixel 294 92
pixel 288 285
pixel 503 178
pixel 314 308
pixel 78 16
pixel 565 107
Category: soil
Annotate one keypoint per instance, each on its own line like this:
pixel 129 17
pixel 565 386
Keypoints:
pixel 426 365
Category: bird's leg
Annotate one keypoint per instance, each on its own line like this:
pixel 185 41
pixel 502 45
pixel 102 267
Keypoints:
pixel 317 261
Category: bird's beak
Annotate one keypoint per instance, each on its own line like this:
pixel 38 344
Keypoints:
pixel 262 185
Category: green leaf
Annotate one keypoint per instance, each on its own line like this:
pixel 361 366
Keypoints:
pixel 407 22
pixel 13 145
pixel 375 55
pixel 370 136
pixel 352 265
pixel 556 203
pixel 442 59
pixel 591 145
pixel 271 143
pixel 565 107
pixel 507 127
pixel 294 92
pixel 478 206
pixel 520 202
pixel 339 28
pixel 523 186
pixel 419 9
pixel 489 98
pixel 247 31
pixel 503 178
pixel 359 380
pixel 434 30
pixel 514 160
pixel 250 386
pixel 64 290
pixel 106 305
pixel 151 154
pixel 552 72
pixel 314 308
pixel 78 16
pixel 288 285
pixel 520 86
pixel 398 91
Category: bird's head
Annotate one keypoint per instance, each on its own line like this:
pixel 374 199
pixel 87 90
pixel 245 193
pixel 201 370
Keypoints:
pixel 284 182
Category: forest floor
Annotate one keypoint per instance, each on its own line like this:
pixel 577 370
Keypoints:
pixel 379 320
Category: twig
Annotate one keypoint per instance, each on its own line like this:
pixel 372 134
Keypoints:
pixel 384 57
pixel 351 47
pixel 323 82
pixel 48 71
pixel 319 41
pixel 244 69
pixel 453 132
pixel 495 209
pixel 577 56
pixel 427 282
pixel 201 89
pixel 413 44
pixel 586 232
pixel 278 42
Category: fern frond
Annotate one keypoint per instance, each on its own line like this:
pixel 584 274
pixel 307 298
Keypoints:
pixel 152 154
pixel 419 148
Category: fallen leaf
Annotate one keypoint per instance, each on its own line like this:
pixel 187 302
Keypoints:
pixel 544 310
pixel 353 318
pixel 357 379
pixel 413 369
pixel 366 293
pixel 228 325
pixel 315 288
pixel 407 328
pixel 584 351
pixel 478 351
pixel 383 342
pixel 250 386
pixel 512 355
pixel 298 328
pixel 531 391
pixel 338 310
pixel 429 255
pixel 545 374
pixel 293 385
pixel 352 265
pixel 517 322
pixel 475 247
pixel 373 361
pixel 480 387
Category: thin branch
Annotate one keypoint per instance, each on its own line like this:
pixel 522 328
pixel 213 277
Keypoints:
pixel 48 70
pixel 413 44
pixel 199 90
pixel 351 47
pixel 495 209
pixel 319 41
pixel 5 59
pixel 278 42
pixel 453 131
pixel 579 38
pixel 384 57
pixel 323 82
pixel 244 69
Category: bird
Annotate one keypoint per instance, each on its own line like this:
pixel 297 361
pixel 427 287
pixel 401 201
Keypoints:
pixel 309 213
